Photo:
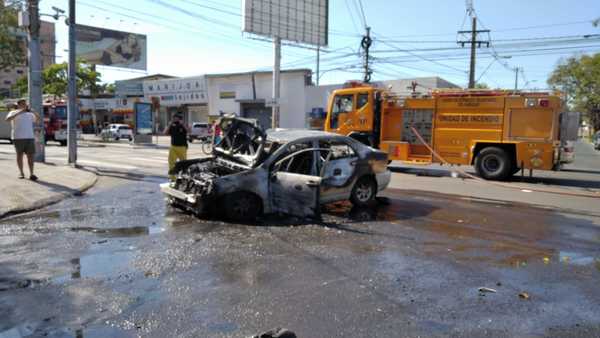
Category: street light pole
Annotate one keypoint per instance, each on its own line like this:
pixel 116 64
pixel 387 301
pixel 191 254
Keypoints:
pixel 72 111
pixel 35 75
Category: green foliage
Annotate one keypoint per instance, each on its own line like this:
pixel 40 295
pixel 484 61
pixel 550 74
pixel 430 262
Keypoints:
pixel 12 51
pixel 481 85
pixel 579 78
pixel 54 79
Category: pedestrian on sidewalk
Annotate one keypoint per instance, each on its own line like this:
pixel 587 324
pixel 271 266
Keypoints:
pixel 178 150
pixel 22 120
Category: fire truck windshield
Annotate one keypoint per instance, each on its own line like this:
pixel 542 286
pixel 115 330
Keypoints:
pixel 60 112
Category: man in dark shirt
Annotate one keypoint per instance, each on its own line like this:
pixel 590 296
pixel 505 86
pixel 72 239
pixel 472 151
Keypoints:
pixel 178 150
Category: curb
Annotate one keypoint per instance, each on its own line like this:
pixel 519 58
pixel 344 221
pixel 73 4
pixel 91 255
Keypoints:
pixel 51 200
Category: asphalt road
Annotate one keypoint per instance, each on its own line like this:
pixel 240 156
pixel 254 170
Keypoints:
pixel 116 262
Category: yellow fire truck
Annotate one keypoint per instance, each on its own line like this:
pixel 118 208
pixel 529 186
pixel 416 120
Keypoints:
pixel 497 131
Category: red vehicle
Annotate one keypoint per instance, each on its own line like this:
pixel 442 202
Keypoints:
pixel 55 121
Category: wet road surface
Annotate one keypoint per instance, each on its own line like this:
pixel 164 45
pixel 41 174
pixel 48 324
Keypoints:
pixel 117 262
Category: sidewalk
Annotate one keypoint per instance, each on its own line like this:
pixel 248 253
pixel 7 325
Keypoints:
pixel 55 183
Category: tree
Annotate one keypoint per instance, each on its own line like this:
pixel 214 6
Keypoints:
pixel 578 78
pixel 12 51
pixel 55 80
pixel 481 85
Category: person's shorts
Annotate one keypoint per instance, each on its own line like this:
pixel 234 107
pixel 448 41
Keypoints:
pixel 26 146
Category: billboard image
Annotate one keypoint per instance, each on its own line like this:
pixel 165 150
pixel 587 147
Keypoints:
pixel 108 47
pixel 303 21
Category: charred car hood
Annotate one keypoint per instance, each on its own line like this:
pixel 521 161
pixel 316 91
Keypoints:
pixel 242 141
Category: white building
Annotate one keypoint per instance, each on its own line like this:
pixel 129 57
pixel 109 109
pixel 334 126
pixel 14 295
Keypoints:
pixel 204 98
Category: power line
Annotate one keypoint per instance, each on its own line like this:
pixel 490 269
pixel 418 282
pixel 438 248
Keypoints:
pixel 362 12
pixel 351 16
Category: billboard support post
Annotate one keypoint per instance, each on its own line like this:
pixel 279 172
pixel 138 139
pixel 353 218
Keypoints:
pixel 72 89
pixel 276 80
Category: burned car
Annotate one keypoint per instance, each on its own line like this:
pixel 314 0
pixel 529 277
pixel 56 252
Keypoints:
pixel 252 172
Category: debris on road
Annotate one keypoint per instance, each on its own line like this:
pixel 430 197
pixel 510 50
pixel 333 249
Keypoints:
pixel 487 290
pixel 524 295
pixel 277 333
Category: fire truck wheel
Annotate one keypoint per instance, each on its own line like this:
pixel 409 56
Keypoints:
pixel 493 163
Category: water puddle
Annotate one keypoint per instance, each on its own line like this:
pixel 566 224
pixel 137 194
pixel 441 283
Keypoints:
pixel 100 265
pixel 121 232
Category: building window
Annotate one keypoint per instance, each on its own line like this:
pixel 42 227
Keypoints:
pixel 6 82
pixel 150 88
pixel 197 85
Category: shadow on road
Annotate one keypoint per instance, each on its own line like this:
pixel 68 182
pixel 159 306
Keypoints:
pixel 59 188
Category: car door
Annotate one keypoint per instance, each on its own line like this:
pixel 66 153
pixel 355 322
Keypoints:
pixel 294 184
pixel 337 165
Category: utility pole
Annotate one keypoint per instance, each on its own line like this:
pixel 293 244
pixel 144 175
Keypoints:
pixel 72 111
pixel 318 61
pixel 475 43
pixel 35 75
pixel 276 81
pixel 366 44
pixel 516 78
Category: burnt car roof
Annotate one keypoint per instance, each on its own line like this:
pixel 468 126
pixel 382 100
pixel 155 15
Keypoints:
pixel 289 135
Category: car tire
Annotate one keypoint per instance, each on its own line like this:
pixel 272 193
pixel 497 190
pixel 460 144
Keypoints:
pixel 493 163
pixel 117 138
pixel 364 191
pixel 63 143
pixel 242 206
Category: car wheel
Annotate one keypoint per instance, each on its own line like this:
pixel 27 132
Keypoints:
pixel 63 143
pixel 363 192
pixel 493 163
pixel 117 138
pixel 242 206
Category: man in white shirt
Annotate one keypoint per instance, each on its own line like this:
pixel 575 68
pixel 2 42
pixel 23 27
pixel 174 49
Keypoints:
pixel 23 120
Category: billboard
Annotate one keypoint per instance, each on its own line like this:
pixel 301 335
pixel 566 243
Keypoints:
pixel 303 21
pixel 108 47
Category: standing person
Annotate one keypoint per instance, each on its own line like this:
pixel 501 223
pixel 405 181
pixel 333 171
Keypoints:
pixel 22 121
pixel 217 131
pixel 178 150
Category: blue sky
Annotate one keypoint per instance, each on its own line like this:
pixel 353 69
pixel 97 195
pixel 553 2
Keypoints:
pixel 412 38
